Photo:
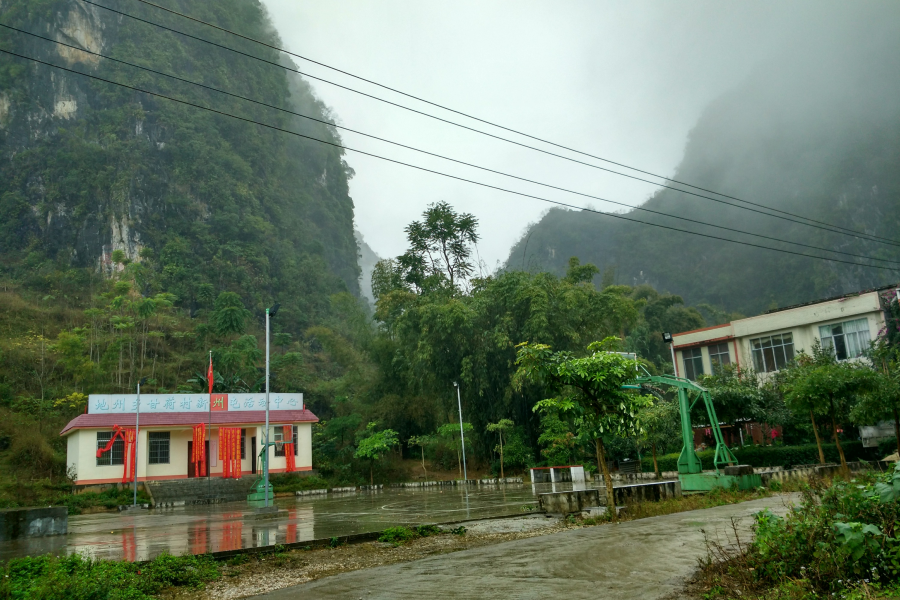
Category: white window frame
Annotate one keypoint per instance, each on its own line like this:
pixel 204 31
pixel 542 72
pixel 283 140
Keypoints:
pixel 695 360
pixel 760 364
pixel 161 441
pixel 854 333
pixel 117 450
pixel 714 364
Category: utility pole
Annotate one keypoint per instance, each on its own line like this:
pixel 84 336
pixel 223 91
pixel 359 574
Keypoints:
pixel 270 312
pixel 137 431
pixel 462 435
pixel 266 442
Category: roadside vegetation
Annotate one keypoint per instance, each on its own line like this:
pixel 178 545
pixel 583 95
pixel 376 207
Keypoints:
pixel 841 541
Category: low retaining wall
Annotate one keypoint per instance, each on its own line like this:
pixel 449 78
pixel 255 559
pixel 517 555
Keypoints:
pixel 803 472
pixel 569 502
pixel 33 522
pixel 452 482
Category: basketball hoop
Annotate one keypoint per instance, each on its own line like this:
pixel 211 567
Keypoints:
pixel 279 437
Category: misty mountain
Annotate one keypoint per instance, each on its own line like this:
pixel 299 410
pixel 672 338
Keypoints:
pixel 88 168
pixel 367 260
pixel 815 133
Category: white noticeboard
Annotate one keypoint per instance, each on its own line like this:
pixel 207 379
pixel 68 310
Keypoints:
pixel 173 403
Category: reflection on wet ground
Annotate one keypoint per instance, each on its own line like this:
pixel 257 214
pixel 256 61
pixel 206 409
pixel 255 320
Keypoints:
pixel 144 534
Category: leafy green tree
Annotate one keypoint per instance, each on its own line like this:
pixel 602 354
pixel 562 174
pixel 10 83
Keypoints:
pixel 422 441
pixel 882 402
pixel 819 384
pixel 440 246
pixel 739 393
pixel 661 424
pixel 589 388
pixel 229 315
pixel 503 425
pixel 375 445
pixel 557 440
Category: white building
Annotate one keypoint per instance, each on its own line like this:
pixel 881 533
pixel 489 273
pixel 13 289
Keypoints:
pixel 167 431
pixel 766 343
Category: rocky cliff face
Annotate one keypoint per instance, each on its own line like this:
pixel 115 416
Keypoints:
pixel 89 168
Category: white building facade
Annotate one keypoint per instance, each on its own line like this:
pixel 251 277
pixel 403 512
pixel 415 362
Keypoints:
pixel 168 430
pixel 768 342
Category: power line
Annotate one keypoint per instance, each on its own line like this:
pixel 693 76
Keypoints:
pixel 442 174
pixel 461 162
pixel 813 223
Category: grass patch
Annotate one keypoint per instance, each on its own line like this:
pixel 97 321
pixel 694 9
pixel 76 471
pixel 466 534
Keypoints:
pixel 64 578
pixel 400 535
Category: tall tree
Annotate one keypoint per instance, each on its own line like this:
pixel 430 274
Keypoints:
pixel 440 246
pixel 375 445
pixel 590 388
pixel 499 427
pixel 819 384
pixel 883 402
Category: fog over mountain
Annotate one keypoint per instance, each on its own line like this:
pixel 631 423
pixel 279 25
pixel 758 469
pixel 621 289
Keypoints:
pixel 814 131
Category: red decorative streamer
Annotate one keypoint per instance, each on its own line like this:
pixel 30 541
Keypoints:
pixel 127 437
pixel 198 454
pixel 230 452
pixel 289 449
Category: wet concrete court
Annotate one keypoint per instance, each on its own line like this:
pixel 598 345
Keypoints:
pixel 144 534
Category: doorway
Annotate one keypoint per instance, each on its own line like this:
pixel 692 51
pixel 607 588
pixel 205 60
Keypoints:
pixel 253 455
pixel 192 467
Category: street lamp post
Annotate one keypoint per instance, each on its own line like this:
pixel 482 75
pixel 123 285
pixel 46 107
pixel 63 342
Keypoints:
pixel 270 312
pixel 137 431
pixel 667 338
pixel 462 436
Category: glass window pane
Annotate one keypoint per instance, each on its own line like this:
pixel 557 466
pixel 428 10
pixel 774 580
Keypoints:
pixel 769 357
pixel 766 342
pixel 758 361
pixel 789 352
pixel 780 361
pixel 840 347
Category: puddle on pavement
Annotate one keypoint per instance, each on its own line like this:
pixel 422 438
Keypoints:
pixel 144 534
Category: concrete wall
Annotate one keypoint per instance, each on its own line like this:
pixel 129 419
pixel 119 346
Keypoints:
pixel 569 502
pixel 18 523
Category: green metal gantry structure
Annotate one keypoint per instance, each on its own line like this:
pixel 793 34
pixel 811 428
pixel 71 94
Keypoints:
pixel 726 472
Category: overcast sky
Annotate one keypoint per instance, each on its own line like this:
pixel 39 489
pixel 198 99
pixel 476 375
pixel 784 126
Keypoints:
pixel 622 80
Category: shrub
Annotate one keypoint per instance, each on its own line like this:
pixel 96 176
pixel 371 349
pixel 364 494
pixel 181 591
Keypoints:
pixel 426 530
pixel 773 456
pixel 838 535
pixel 51 578
pixel 397 535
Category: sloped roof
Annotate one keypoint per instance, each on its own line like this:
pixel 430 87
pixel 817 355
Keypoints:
pixel 188 419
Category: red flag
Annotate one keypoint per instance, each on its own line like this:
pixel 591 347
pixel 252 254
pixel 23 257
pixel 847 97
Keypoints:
pixel 209 374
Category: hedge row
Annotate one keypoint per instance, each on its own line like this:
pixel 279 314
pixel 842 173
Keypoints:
pixel 773 456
